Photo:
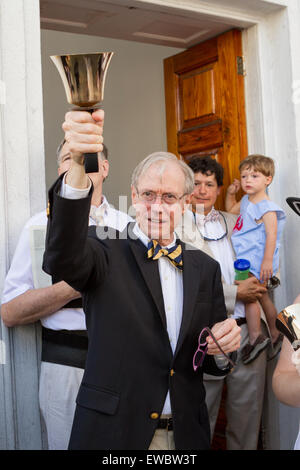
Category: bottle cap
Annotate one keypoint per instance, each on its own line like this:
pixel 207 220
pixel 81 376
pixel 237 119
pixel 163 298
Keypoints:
pixel 242 264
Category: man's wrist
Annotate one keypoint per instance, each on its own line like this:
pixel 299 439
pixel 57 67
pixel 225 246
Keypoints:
pixel 76 176
pixel 66 290
pixel 70 192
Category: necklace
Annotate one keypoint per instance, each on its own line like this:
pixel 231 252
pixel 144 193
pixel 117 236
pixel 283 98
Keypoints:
pixel 212 239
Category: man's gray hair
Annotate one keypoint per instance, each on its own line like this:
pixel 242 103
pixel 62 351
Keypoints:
pixel 103 154
pixel 163 157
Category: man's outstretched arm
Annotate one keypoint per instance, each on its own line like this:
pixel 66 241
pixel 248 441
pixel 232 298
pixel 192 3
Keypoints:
pixel 70 255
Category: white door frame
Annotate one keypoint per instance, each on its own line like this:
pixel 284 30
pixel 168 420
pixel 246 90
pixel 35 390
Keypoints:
pixel 273 73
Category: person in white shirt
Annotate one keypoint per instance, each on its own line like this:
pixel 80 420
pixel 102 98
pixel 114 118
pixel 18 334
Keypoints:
pixel 29 296
pixel 210 230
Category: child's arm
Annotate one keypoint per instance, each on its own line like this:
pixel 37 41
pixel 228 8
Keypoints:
pixel 231 205
pixel 270 221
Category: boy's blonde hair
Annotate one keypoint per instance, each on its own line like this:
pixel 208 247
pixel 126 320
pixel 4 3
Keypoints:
pixel 261 163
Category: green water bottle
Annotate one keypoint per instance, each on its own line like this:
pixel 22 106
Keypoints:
pixel 241 267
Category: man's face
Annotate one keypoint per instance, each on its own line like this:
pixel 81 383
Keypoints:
pixel 158 200
pixel 205 192
pixel 66 159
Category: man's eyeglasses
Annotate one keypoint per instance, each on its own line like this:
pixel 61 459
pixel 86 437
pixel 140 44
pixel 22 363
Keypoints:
pixel 201 351
pixel 151 196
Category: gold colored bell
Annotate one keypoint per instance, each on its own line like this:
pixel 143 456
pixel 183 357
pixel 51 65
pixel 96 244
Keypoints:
pixel 83 77
pixel 288 322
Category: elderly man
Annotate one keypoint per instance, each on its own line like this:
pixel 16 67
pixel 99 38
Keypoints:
pixel 139 389
pixel 27 298
pixel 210 230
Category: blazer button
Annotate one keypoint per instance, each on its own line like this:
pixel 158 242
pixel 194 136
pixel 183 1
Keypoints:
pixel 154 415
pixel 172 372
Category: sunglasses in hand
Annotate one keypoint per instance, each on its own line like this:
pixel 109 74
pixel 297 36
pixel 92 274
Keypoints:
pixel 201 351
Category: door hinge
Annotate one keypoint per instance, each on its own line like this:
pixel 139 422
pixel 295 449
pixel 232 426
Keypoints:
pixel 240 65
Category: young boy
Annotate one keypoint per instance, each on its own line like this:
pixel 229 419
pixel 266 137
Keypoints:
pixel 256 237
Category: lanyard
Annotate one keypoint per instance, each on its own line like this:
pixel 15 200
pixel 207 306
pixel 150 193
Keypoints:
pixel 212 239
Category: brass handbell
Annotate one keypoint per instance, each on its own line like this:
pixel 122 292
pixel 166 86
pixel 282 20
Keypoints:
pixel 83 77
pixel 288 322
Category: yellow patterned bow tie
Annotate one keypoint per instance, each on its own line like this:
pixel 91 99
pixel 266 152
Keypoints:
pixel 155 251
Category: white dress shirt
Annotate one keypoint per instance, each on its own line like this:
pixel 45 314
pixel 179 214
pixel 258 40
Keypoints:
pixel 172 290
pixel 171 283
pixel 223 253
pixel 20 276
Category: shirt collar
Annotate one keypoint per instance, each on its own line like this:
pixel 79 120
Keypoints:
pixel 212 228
pixel 101 209
pixel 145 239
pixel 212 216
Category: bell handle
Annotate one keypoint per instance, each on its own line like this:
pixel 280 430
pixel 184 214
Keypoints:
pixel 91 159
pixel 91 163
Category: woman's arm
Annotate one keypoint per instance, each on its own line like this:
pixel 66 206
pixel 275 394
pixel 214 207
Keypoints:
pixel 286 380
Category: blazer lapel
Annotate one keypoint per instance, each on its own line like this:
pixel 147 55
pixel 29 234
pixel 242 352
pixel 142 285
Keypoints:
pixel 191 279
pixel 230 223
pixel 206 249
pixel 149 270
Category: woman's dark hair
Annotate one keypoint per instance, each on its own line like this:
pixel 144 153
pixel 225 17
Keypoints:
pixel 208 166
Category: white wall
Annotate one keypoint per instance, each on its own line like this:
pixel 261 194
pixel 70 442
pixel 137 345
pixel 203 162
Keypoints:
pixel 134 103
pixel 22 193
pixel 273 115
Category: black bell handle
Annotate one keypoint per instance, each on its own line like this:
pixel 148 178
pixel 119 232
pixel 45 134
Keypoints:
pixel 91 159
pixel 91 163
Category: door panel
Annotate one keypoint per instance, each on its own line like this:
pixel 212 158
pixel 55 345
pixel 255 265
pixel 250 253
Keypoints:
pixel 205 106
pixel 204 137
pixel 196 97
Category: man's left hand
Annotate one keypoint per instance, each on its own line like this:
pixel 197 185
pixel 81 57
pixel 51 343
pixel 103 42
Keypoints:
pixel 228 335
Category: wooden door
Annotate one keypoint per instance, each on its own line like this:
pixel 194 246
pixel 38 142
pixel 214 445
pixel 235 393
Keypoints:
pixel 205 105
